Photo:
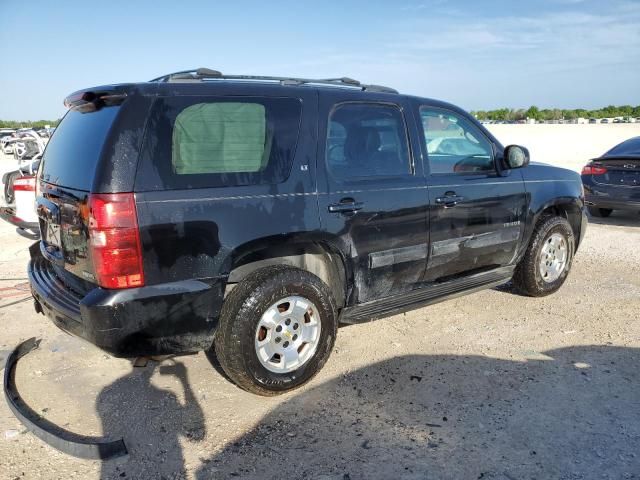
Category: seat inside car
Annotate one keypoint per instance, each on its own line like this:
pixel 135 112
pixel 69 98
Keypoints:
pixel 363 153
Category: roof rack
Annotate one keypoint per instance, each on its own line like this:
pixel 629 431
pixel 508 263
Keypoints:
pixel 203 74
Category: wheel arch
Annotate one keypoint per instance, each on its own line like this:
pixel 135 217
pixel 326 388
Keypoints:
pixel 570 209
pixel 319 256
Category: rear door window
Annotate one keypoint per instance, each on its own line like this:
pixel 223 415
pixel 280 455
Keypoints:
pixel 367 140
pixel 74 150
pixel 198 142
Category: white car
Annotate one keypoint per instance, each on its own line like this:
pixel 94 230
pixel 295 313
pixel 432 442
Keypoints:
pixel 18 189
pixel 7 143
pixel 6 134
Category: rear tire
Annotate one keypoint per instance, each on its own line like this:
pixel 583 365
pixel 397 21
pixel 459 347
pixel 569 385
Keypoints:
pixel 272 296
pixel 548 258
pixel 599 212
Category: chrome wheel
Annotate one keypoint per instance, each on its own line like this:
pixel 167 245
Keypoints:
pixel 553 257
pixel 288 334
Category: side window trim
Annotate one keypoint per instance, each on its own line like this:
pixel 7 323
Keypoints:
pixel 411 172
pixel 423 106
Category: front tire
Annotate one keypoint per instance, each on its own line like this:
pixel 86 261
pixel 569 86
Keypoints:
pixel 277 329
pixel 599 212
pixel 548 258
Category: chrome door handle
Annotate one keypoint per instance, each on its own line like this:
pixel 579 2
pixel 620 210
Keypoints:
pixel 449 200
pixel 346 207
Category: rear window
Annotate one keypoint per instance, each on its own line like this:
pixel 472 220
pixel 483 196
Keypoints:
pixel 628 147
pixel 197 142
pixel 74 150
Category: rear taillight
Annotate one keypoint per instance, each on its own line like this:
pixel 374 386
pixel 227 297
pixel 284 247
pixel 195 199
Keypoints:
pixel 115 240
pixel 593 170
pixel 24 184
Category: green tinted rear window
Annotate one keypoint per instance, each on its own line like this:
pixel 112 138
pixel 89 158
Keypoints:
pixel 222 137
pixel 204 141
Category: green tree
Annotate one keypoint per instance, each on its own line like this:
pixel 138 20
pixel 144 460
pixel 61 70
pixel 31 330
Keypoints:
pixel 28 124
pixel 533 112
pixel 502 114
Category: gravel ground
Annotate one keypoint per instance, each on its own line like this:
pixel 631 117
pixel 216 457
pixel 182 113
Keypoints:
pixel 492 386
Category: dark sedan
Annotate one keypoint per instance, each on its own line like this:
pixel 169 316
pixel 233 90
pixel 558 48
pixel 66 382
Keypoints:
pixel 612 181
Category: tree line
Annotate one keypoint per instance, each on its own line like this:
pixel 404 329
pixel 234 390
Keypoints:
pixel 534 112
pixel 28 124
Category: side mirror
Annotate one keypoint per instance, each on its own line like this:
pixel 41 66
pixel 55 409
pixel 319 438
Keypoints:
pixel 516 156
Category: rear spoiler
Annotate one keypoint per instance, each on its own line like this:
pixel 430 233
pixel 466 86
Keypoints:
pixel 96 98
pixel 630 157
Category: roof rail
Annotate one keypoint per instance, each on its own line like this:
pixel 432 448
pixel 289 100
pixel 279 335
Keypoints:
pixel 201 74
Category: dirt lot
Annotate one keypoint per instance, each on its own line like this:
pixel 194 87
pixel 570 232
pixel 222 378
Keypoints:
pixel 492 386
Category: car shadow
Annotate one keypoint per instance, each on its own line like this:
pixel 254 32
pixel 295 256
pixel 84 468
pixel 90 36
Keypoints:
pixel 568 413
pixel 618 218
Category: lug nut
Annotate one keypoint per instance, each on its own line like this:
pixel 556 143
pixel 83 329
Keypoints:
pixel 295 326
pixel 295 337
pixel 285 344
pixel 278 339
pixel 279 328
pixel 287 321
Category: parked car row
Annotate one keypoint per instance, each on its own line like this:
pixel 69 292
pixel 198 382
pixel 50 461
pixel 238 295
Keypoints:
pixel 615 120
pixel 563 121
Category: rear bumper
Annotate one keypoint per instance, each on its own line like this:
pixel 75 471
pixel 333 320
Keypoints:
pixel 616 197
pixel 176 317
pixel 612 203
pixel 67 442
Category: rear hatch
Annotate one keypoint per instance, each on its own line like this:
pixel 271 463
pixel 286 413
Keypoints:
pixel 620 171
pixel 66 180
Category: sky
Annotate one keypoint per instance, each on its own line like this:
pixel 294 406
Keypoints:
pixel 477 54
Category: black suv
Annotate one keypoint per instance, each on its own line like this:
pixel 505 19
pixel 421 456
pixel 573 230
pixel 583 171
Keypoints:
pixel 252 215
